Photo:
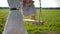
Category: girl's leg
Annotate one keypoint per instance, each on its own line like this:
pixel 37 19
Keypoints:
pixel 33 17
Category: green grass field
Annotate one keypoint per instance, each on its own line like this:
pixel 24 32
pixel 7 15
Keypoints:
pixel 51 17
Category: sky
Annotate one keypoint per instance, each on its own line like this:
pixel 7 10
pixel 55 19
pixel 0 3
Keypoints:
pixel 45 3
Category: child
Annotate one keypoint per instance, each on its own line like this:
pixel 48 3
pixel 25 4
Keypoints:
pixel 29 9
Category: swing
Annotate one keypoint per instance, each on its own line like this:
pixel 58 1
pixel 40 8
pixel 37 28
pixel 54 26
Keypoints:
pixel 39 21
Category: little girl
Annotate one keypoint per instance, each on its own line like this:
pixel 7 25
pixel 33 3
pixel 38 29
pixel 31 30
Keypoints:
pixel 29 9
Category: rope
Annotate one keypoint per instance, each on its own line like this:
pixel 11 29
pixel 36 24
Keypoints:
pixel 40 15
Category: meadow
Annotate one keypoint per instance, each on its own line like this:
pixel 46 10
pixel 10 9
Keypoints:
pixel 51 17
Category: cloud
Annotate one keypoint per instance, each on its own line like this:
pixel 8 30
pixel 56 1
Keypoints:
pixel 45 3
pixel 3 3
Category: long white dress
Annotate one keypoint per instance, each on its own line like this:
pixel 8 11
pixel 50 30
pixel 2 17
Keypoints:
pixel 15 22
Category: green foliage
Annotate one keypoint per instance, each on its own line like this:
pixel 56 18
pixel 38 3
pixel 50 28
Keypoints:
pixel 3 17
pixel 51 17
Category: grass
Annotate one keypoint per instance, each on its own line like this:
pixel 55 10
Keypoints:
pixel 51 17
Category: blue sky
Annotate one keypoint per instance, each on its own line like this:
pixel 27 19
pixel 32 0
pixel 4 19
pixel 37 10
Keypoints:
pixel 45 3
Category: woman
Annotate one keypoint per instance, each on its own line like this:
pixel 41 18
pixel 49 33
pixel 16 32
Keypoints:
pixel 15 22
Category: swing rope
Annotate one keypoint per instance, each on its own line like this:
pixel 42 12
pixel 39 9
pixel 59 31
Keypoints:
pixel 40 15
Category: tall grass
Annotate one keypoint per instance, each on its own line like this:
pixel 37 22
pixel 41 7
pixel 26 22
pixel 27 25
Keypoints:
pixel 51 17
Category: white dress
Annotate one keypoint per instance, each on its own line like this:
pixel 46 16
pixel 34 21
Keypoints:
pixel 15 22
